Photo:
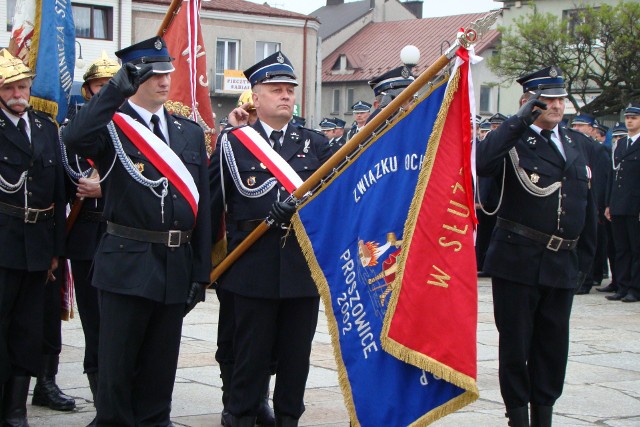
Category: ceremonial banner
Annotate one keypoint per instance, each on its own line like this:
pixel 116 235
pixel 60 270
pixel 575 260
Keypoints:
pixel 189 93
pixel 354 233
pixel 432 317
pixel 43 37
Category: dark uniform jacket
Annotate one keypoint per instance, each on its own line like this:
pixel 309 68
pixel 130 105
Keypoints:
pixel 624 192
pixel 520 259
pixel 31 246
pixel 125 266
pixel 273 267
pixel 336 143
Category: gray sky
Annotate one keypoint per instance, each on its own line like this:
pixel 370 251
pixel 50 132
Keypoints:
pixel 430 8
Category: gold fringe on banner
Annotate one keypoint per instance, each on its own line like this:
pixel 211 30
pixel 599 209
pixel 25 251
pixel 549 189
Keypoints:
pixel 389 345
pixel 44 105
pixel 323 287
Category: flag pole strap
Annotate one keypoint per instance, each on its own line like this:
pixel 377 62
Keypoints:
pixel 464 39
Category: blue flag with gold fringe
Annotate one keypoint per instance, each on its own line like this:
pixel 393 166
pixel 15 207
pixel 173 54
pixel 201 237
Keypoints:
pixel 351 233
pixel 43 37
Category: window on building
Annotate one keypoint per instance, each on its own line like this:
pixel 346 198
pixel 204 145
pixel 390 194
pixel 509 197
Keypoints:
pixel 336 102
pixel 11 10
pixel 349 101
pixel 227 52
pixel 485 99
pixel 93 22
pixel 264 49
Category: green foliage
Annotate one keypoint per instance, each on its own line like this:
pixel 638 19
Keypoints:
pixel 598 50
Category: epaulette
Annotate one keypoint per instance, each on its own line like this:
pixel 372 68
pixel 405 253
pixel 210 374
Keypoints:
pixel 313 130
pixel 186 119
pixel 578 132
pixel 42 115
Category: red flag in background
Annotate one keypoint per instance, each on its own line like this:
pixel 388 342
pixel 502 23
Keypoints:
pixel 432 317
pixel 189 94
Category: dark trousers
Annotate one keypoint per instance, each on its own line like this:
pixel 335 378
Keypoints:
pixel 486 223
pixel 626 233
pixel 611 252
pixel 283 328
pixel 533 327
pixel 139 345
pixel 600 257
pixel 52 326
pixel 21 305
pixel 226 328
pixel 87 300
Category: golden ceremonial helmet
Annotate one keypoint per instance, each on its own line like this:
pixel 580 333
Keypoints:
pixel 247 96
pixel 12 68
pixel 104 67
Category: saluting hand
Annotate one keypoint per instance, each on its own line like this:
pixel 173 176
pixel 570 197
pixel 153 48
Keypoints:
pixel 239 116
pixel 528 112
pixel 129 78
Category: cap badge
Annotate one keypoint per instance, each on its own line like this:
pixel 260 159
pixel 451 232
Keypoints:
pixel 280 58
pixel 405 72
pixel 553 73
pixel 307 143
pixel 157 45
pixel 630 105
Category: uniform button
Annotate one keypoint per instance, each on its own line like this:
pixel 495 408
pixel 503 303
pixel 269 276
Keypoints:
pixel 121 246
pixel 535 168
pixel 139 153
pixel 30 178
pixel 176 223
pixel 564 178
pixel 30 193
pixel 6 158
pixel 564 212
pixel 282 188
pixel 174 196
pixel 173 249
pixel 306 167
pixel 561 230
pixel 253 168
pixel 564 196
pixel 50 161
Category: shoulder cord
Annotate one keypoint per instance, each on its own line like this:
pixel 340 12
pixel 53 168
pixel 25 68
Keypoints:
pixel 235 174
pixel 8 188
pixel 613 157
pixel 504 170
pixel 72 174
pixel 529 186
pixel 133 171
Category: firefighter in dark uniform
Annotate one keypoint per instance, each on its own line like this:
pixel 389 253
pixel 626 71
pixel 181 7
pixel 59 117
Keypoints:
pixel 624 209
pixel 152 264
pixel 542 245
pixel 599 162
pixel 496 120
pixel 84 190
pixel 32 213
pixel 339 138
pixel 361 111
pixel 389 85
pixel 618 132
pixel 276 302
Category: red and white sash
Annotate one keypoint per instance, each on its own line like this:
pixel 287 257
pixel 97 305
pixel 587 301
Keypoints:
pixel 161 156
pixel 260 148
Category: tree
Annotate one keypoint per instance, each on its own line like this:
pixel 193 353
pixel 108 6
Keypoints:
pixel 596 47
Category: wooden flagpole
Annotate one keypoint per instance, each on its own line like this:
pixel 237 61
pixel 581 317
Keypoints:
pixel 466 39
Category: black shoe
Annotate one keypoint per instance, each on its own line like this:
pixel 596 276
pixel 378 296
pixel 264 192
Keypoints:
pixel 615 297
pixel 609 288
pixel 630 298
pixel 583 290
pixel 46 391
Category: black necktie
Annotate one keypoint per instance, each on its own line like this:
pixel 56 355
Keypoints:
pixel 22 127
pixel 547 134
pixel 275 139
pixel 156 128
pixel 629 142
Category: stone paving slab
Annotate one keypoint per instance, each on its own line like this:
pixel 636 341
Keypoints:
pixel 602 385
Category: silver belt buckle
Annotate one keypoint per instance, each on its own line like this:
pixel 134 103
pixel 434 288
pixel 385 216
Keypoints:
pixel 554 243
pixel 171 241
pixel 31 215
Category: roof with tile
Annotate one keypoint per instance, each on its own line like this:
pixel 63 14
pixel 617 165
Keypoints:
pixel 239 6
pixel 376 48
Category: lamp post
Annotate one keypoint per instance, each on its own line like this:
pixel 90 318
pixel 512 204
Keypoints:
pixel 410 55
pixel 79 60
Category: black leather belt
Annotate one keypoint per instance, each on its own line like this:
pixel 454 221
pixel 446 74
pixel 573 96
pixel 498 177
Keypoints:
pixel 553 243
pixel 171 238
pixel 251 224
pixel 30 215
pixel 90 216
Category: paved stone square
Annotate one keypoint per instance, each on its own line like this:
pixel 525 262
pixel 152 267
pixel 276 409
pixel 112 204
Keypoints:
pixel 602 385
